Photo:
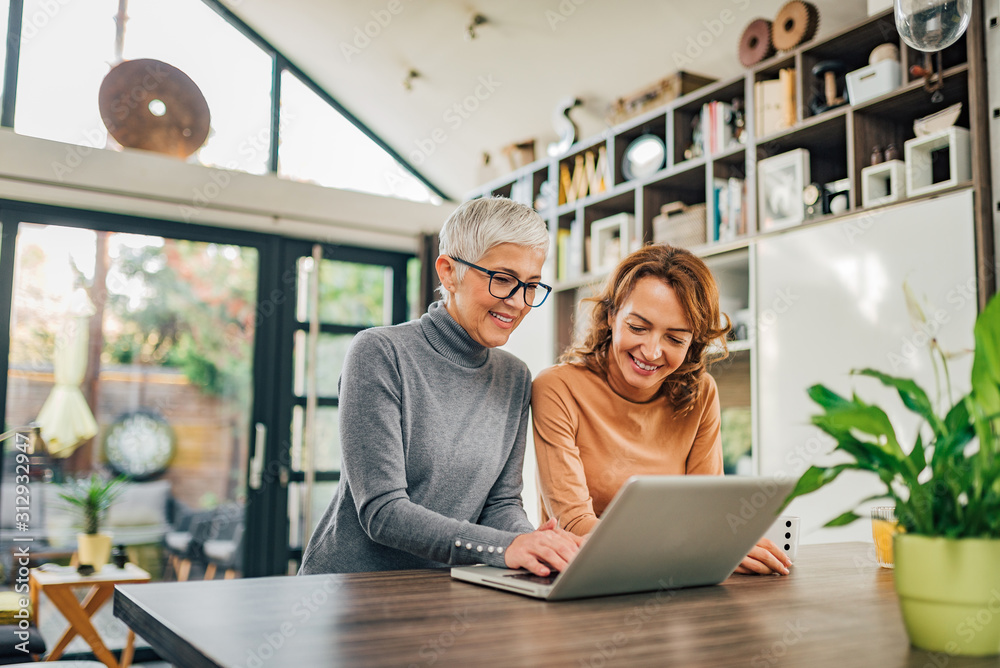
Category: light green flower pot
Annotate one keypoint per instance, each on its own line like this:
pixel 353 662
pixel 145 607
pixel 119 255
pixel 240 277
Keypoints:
pixel 949 593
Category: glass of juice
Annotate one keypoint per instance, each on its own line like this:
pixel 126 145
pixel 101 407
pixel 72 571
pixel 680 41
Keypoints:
pixel 883 527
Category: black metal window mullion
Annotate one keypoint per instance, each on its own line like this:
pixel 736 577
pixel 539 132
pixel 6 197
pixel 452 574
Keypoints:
pixel 281 63
pixel 332 329
pixel 320 476
pixel 322 402
pixel 13 46
pixel 7 248
pixel 277 65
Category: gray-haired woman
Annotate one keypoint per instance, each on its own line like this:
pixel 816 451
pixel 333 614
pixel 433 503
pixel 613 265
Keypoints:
pixel 433 420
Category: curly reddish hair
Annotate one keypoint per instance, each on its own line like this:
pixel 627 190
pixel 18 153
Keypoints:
pixel 695 286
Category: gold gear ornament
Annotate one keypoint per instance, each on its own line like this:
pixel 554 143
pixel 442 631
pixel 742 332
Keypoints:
pixel 796 22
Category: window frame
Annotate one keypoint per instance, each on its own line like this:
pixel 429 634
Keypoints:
pixel 279 64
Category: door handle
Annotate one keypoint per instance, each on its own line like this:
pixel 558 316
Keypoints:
pixel 257 463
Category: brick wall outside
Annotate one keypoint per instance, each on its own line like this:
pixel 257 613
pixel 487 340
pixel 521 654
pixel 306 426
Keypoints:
pixel 211 436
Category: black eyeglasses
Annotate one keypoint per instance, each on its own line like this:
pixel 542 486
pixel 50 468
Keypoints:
pixel 504 285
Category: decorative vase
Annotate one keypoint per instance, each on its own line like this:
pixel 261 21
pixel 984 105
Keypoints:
pixel 949 593
pixel 94 549
pixel 119 555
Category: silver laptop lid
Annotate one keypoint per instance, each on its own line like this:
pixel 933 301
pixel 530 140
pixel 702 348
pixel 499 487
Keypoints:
pixel 672 531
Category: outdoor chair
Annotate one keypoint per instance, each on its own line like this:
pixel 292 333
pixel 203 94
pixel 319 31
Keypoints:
pixel 183 546
pixel 225 551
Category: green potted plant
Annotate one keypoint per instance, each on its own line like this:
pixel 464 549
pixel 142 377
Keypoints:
pixel 947 495
pixel 92 497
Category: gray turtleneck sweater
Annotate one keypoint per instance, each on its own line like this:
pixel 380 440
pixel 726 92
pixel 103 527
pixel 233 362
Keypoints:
pixel 432 431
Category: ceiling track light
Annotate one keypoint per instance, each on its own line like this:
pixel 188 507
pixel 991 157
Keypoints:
pixel 408 80
pixel 477 20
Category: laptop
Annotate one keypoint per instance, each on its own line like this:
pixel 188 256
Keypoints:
pixel 659 532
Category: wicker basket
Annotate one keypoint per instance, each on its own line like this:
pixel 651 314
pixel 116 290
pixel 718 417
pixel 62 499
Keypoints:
pixel 684 226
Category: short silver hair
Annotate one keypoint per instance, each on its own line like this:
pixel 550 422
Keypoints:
pixel 480 224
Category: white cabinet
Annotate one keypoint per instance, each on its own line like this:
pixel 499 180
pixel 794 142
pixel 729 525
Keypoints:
pixel 830 299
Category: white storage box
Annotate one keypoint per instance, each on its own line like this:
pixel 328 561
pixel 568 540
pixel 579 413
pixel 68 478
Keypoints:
pixel 869 82
pixel 609 241
pixel 921 153
pixel 883 183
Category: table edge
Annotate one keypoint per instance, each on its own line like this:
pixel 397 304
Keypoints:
pixel 165 640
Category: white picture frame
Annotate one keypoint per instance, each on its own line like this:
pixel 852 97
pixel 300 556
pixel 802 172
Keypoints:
pixel 780 181
pixel 609 241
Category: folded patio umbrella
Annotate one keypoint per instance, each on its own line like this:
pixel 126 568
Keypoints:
pixel 65 419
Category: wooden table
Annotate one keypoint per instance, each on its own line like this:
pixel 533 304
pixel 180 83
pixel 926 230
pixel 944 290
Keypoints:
pixel 58 584
pixel 837 609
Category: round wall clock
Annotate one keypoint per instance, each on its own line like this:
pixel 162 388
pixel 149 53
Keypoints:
pixel 140 445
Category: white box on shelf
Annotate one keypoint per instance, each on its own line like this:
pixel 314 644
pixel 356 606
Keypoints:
pixel 883 183
pixel 871 81
pixel 780 180
pixel 609 240
pixel 919 154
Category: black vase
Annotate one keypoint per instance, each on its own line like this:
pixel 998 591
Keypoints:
pixel 119 556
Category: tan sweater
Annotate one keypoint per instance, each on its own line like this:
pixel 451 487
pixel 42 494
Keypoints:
pixel 589 440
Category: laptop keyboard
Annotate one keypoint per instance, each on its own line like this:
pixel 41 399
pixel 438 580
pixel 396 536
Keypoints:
pixel 537 579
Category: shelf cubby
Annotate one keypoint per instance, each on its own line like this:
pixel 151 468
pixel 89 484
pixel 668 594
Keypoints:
pixel 688 112
pixel 656 126
pixel 951 57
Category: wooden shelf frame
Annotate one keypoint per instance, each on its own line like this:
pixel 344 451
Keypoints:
pixel 840 142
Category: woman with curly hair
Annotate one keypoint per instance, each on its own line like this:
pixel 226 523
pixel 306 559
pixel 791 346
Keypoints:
pixel 633 397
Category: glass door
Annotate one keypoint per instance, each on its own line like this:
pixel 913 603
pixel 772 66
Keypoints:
pixel 339 292
pixel 133 343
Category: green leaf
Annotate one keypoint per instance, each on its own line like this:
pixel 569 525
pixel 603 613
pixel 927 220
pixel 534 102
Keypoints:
pixel 826 397
pixel 986 362
pixel 918 459
pixel 912 395
pixel 862 417
pixel 958 416
pixel 871 457
pixel 951 446
pixel 814 478
pixel 843 520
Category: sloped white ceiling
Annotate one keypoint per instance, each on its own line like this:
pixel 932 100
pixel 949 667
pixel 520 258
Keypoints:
pixel 475 96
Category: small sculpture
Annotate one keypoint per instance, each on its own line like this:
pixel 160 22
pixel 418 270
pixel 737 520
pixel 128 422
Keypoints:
pixel 877 155
pixel 119 556
pixel 565 127
pixel 738 121
pixel 828 91
pixel 697 147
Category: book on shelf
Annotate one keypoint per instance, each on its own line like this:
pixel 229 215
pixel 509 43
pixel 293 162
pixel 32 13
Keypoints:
pixel 774 103
pixel 787 78
pixel 521 191
pixel 738 205
pixel 720 201
pixel 563 236
pixel 574 257
pixel 729 197
pixel 716 126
